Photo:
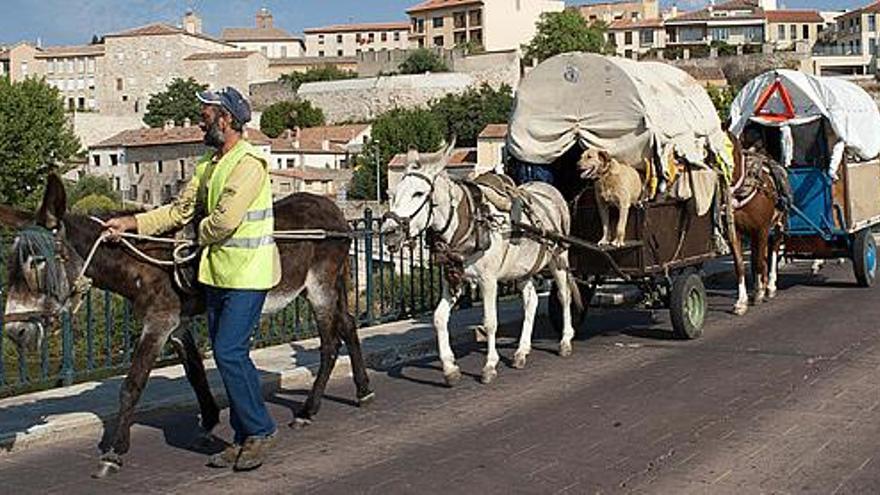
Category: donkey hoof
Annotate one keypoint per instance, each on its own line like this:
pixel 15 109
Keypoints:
pixel 519 361
pixel 771 294
pixel 740 309
pixel 367 399
pixel 565 349
pixel 110 463
pixel 453 377
pixel 299 423
pixel 489 376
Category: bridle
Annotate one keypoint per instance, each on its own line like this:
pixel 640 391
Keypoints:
pixel 404 221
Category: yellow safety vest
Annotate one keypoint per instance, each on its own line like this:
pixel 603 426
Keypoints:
pixel 245 260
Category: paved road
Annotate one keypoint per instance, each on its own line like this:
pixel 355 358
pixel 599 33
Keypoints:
pixel 783 400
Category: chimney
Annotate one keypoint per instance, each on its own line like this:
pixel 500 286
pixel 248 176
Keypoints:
pixel 288 134
pixel 264 19
pixel 169 124
pixel 192 23
pixel 187 122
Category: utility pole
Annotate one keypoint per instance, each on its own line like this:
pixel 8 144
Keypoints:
pixel 378 175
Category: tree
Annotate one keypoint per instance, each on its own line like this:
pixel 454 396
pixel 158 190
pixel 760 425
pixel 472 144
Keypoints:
pixel 421 61
pixel 467 114
pixel 289 114
pixel 566 31
pixel 178 102
pixel 393 133
pixel 95 204
pixel 35 136
pixel 91 185
pixel 324 73
pixel 721 98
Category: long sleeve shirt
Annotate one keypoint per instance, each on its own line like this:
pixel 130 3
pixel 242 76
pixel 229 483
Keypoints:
pixel 242 187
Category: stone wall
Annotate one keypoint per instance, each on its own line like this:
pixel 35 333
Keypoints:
pixel 740 69
pixel 264 94
pixel 493 68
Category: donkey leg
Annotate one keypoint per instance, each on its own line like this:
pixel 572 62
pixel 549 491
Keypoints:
pixel 560 276
pixel 489 287
pixel 451 371
pixel 759 256
pixel 530 306
pixel 348 331
pixel 155 334
pixel 742 300
pixel 324 306
pixel 775 246
pixel 185 344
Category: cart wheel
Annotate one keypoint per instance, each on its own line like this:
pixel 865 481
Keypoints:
pixel 554 309
pixel 687 306
pixel 864 258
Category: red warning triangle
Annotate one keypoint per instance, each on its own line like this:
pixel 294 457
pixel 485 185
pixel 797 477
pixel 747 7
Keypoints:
pixel 775 88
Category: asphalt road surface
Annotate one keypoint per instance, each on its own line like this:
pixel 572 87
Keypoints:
pixel 783 400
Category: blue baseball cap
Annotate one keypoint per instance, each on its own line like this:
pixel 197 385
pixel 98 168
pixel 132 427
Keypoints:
pixel 230 99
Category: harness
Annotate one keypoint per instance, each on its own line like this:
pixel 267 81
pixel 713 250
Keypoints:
pixel 754 179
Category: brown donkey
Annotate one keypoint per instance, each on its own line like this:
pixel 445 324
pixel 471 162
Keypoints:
pixel 756 214
pixel 52 247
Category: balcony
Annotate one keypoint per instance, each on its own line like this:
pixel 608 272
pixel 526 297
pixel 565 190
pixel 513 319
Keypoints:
pixel 837 51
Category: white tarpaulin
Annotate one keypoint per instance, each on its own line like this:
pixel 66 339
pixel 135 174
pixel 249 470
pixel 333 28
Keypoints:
pixel 849 109
pixel 630 109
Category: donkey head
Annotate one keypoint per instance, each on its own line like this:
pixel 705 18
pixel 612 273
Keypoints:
pixel 411 209
pixel 38 282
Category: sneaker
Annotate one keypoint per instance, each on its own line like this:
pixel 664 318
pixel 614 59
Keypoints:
pixel 253 453
pixel 226 458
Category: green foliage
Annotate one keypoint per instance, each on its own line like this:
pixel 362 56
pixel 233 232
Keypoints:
pixel 289 114
pixel 325 73
pixel 562 32
pixel 91 185
pixel 466 114
pixel 724 49
pixel 178 102
pixel 94 204
pixel 722 98
pixel 393 133
pixel 34 136
pixel 471 47
pixel 421 61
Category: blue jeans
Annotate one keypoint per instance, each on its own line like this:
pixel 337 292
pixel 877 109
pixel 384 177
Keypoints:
pixel 232 316
pixel 525 172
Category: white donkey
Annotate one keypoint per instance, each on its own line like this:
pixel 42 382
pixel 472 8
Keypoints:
pixel 427 199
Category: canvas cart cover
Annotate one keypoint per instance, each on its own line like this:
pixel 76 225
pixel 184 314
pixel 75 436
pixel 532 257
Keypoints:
pixel 849 109
pixel 630 109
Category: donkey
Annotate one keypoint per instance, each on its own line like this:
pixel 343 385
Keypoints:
pixel 50 251
pixel 756 214
pixel 428 201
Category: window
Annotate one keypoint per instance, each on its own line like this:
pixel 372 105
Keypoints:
pixel 181 164
pixel 91 83
pixel 320 39
pixel 371 37
pixel 627 38
pixel 420 26
pixel 437 22
pixel 872 23
pixel 166 193
pixel 793 32
pixel 421 43
pixel 339 38
pixel 646 36
pixel 339 53
pixel 81 103
pixel 460 37
pixel 384 37
pixel 118 184
pixel 475 18
pixel 321 53
pixel 96 160
pixel 438 40
pixel 477 36
pixel 114 159
pixel 634 16
pixel 160 166
pixel 148 198
pixel 119 84
pixel 133 192
pixel 291 163
pixel 459 20
pixel 872 47
pixel 397 36
pixel 137 168
pixel 805 30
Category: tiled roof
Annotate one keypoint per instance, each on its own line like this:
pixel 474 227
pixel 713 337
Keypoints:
pixel 159 136
pixel 220 55
pixel 313 174
pixel 159 29
pixel 793 16
pixel 867 9
pixel 441 4
pixel 706 14
pixel 641 23
pixel 350 28
pixel 312 139
pixel 461 158
pixel 69 51
pixel 600 4
pixel 494 131
pixel 257 34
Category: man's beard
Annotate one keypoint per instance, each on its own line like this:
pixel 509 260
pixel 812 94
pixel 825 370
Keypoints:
pixel 214 136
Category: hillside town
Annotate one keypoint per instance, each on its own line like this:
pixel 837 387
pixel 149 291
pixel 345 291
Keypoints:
pixel 106 85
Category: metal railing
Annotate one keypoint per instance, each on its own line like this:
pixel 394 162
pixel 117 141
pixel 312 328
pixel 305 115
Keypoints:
pixel 99 340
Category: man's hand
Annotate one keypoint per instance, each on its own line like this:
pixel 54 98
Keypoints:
pixel 115 227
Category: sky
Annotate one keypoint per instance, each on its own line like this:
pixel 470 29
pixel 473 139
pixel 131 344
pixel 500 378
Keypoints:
pixel 60 22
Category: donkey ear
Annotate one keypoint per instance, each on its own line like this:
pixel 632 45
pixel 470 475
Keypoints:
pixel 450 148
pixel 14 219
pixel 412 157
pixel 54 204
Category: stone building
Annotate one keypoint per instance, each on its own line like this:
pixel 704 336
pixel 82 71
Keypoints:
pixel 74 71
pixel 735 22
pixel 636 37
pixel 850 46
pixel 149 166
pixel 325 147
pixel 787 28
pixel 272 42
pixel 615 11
pixel 349 40
pixel 18 61
pixel 491 144
pixel 220 69
pixel 496 25
pixel 325 182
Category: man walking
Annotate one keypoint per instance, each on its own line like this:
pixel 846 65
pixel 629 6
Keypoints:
pixel 230 197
